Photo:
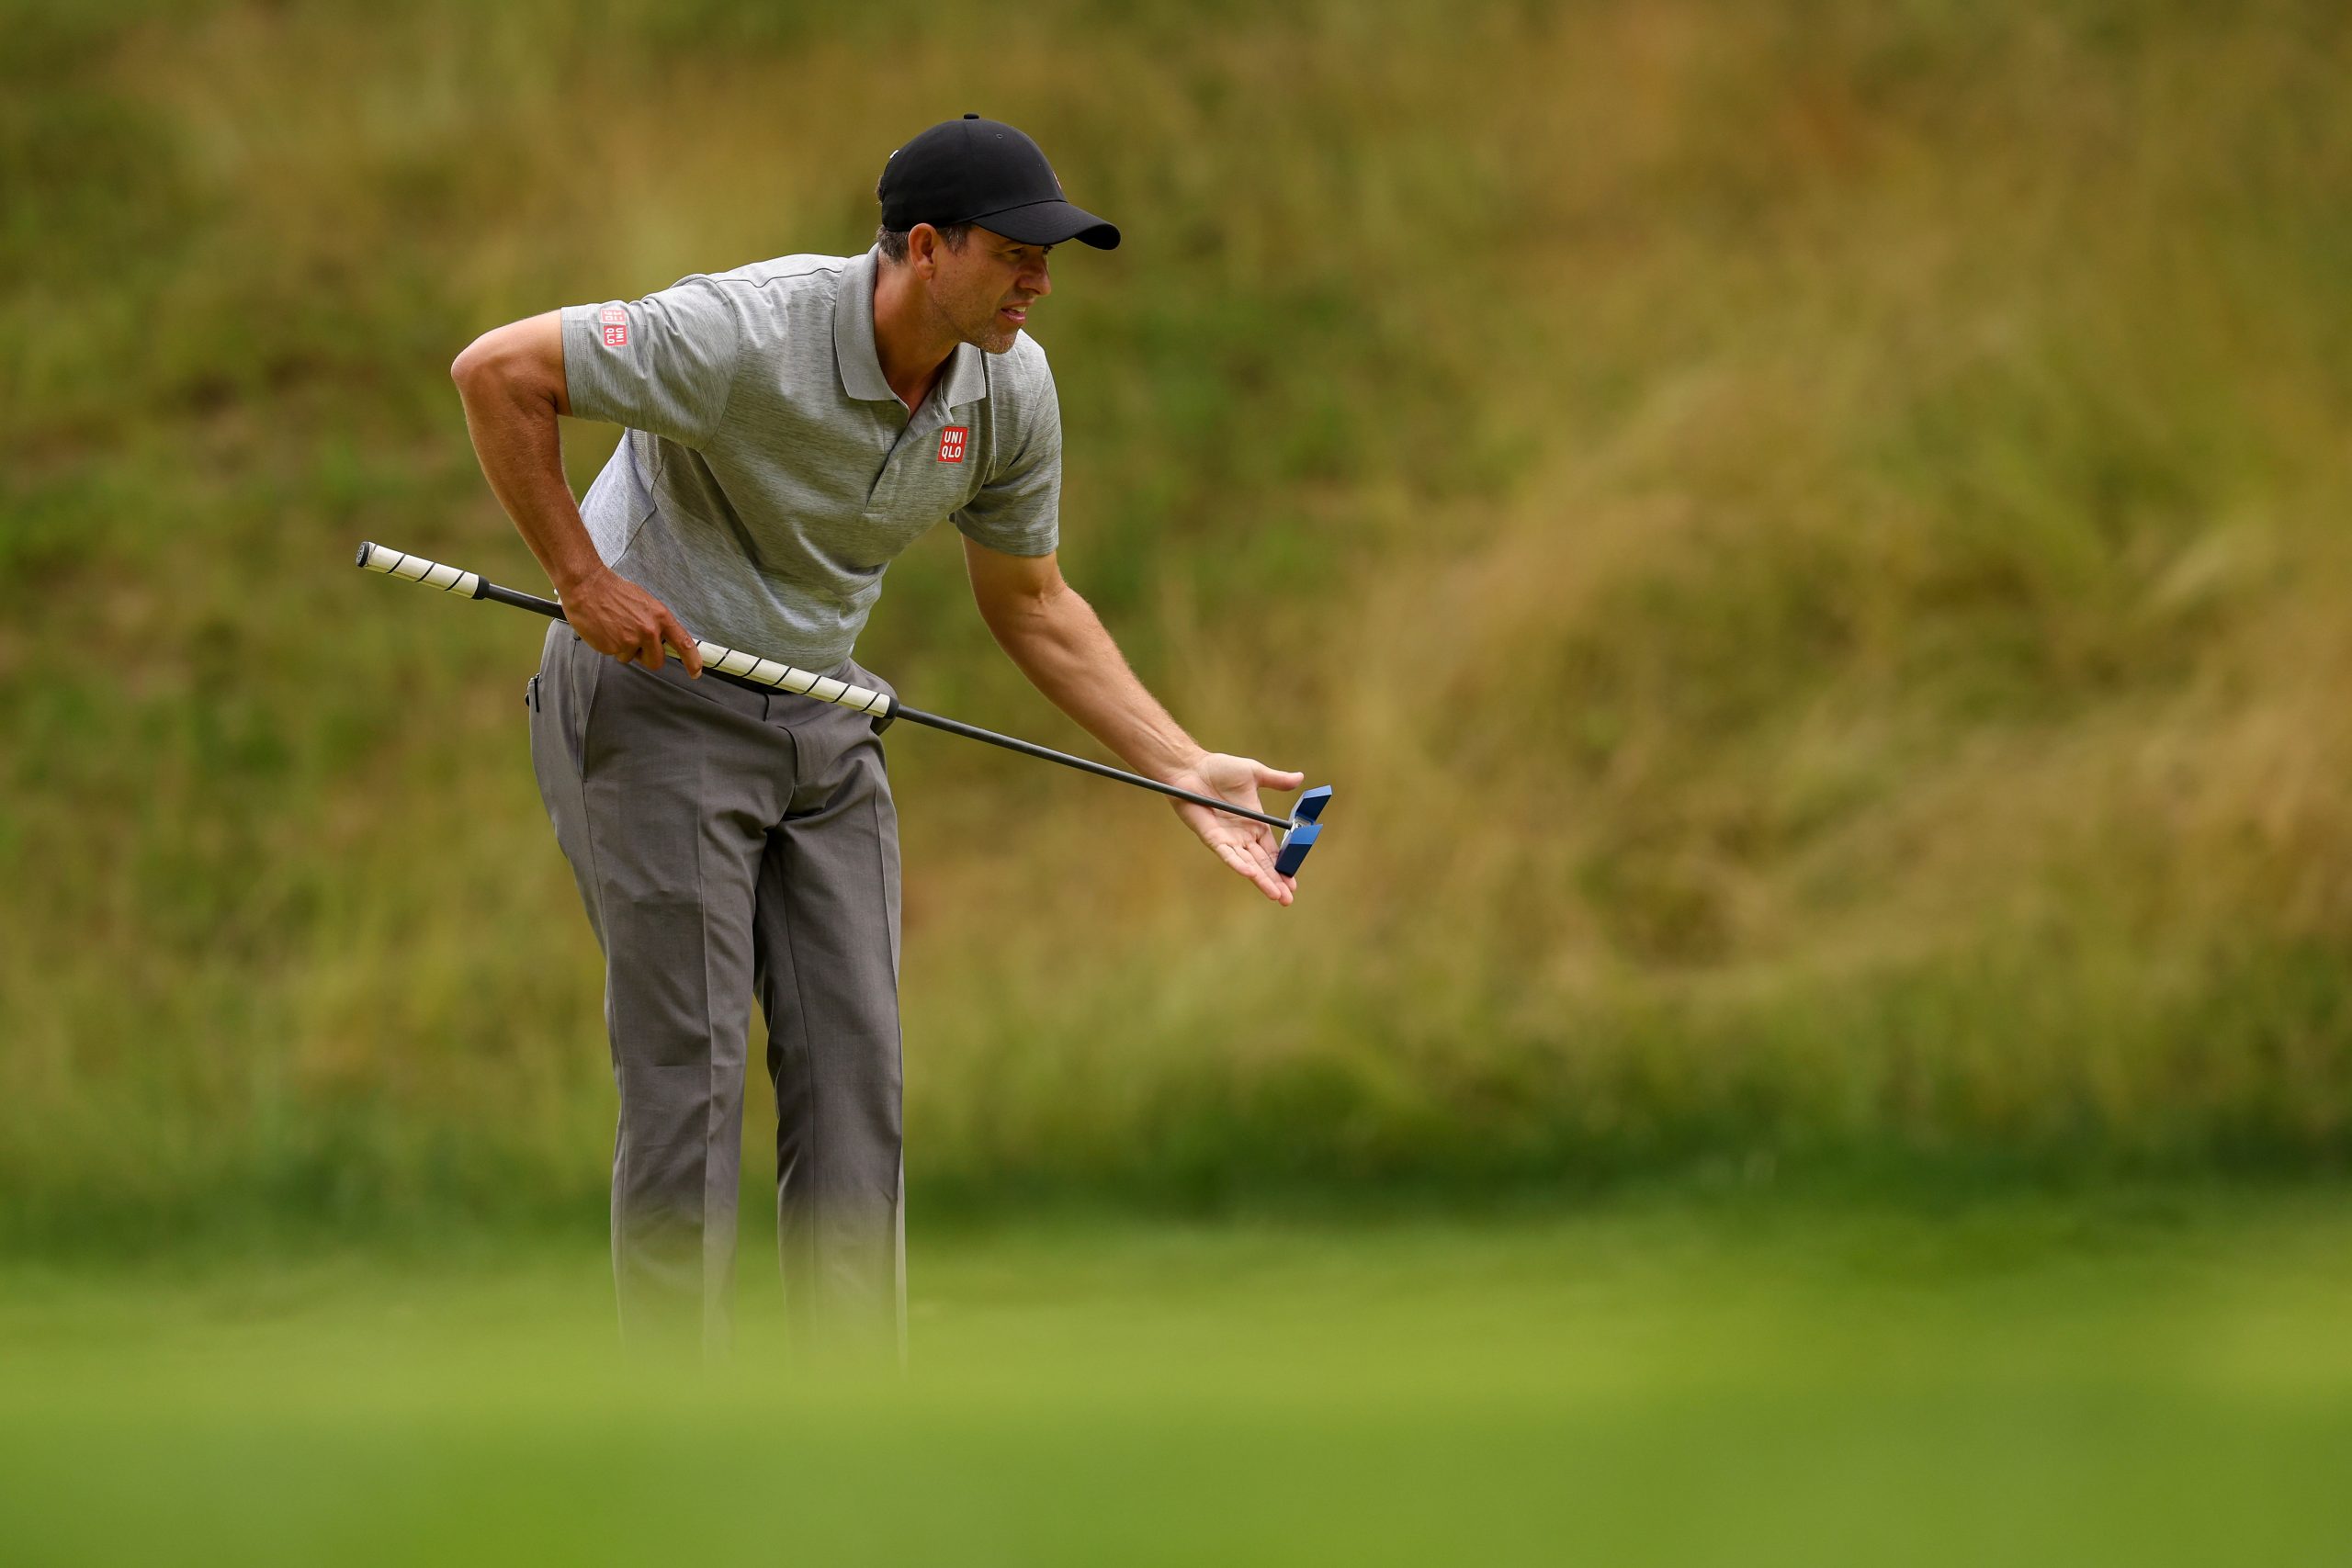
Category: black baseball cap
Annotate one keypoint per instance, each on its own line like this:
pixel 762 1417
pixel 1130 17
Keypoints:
pixel 984 172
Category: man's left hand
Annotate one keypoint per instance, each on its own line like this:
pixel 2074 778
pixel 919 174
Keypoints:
pixel 1248 847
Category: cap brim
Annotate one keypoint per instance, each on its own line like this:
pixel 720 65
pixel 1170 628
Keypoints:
pixel 1050 223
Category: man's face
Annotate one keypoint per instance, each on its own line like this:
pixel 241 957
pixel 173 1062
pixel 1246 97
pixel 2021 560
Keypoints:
pixel 984 290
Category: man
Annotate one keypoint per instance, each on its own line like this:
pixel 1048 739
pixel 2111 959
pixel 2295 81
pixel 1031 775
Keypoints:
pixel 792 425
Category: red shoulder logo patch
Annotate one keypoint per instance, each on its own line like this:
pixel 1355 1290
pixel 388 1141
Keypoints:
pixel 616 322
pixel 951 443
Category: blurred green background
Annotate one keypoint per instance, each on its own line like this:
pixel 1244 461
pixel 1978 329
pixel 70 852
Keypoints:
pixel 1810 538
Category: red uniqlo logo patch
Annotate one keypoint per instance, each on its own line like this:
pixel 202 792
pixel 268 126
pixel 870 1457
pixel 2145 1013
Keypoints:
pixel 951 443
pixel 616 322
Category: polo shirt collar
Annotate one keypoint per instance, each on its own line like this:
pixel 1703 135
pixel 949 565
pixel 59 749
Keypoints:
pixel 965 378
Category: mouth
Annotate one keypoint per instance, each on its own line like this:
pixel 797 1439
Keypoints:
pixel 1016 314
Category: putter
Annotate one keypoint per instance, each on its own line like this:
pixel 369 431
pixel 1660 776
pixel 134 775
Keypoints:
pixel 1298 829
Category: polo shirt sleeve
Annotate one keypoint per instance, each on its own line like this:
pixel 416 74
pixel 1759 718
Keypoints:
pixel 664 363
pixel 1018 510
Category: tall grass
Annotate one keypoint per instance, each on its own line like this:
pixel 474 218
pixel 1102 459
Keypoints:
pixel 1810 538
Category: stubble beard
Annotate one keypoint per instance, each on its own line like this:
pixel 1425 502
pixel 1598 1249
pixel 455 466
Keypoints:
pixel 989 335
pixel 995 337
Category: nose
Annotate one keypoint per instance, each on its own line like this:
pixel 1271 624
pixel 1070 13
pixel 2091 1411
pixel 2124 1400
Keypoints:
pixel 1037 280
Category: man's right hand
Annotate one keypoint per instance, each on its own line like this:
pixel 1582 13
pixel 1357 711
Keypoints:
pixel 615 616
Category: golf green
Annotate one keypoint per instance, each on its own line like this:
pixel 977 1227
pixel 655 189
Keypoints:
pixel 2151 1380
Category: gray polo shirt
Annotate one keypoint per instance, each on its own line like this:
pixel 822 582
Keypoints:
pixel 769 474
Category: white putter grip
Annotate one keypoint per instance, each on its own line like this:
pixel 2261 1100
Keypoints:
pixel 784 677
pixel 416 569
pixel 726 660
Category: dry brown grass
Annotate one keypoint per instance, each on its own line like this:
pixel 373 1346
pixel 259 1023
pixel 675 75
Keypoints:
pixel 1809 538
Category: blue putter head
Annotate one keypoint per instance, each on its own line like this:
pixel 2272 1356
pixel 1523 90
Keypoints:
pixel 1303 829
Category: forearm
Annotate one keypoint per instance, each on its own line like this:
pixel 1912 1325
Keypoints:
pixel 511 381
pixel 1060 645
pixel 511 416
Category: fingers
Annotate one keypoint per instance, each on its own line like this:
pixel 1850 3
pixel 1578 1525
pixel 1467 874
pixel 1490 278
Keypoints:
pixel 1249 849
pixel 630 646
pixel 1258 870
pixel 1246 865
pixel 1276 778
pixel 1274 879
pixel 676 637
pixel 635 628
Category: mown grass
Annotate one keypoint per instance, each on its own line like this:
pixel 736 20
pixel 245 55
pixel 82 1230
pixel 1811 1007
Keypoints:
pixel 1808 537
pixel 2152 1380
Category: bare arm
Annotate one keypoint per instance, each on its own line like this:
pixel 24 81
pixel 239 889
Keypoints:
pixel 511 381
pixel 1057 641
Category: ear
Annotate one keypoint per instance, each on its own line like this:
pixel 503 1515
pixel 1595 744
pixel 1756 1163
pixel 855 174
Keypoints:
pixel 922 250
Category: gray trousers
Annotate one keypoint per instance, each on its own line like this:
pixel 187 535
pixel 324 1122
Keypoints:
pixel 729 843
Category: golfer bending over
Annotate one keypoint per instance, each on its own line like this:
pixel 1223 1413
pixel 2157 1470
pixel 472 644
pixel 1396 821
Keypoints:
pixel 792 425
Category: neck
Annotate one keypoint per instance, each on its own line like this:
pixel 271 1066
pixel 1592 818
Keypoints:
pixel 909 339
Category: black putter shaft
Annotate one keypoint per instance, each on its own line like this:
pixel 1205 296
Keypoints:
pixel 1101 770
pixel 553 610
